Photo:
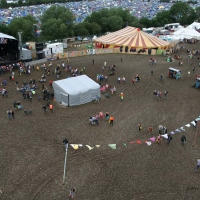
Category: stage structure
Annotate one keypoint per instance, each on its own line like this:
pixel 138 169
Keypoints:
pixel 9 51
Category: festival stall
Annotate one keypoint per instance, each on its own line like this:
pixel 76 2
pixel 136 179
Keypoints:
pixel 132 40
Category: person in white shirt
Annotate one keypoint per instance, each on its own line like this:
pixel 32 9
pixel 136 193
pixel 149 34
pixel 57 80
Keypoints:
pixel 198 164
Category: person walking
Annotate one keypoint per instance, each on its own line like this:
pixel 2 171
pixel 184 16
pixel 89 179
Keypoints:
pixel 103 68
pixel 193 69
pixel 183 139
pixel 111 120
pixel 105 64
pixel 13 114
pixel 165 94
pixel 140 126
pixel 93 61
pixel 169 138
pixel 198 164
pixel 72 193
pixel 44 108
pixel 151 72
pixel 160 129
pixel 133 80
pixel 161 77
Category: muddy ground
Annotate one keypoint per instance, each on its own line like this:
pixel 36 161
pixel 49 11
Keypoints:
pixel 32 152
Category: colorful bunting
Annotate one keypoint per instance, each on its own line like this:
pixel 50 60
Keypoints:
pixel 75 146
pixel 113 146
pixel 153 139
pixel 89 147
pixel 148 143
pixel 182 128
pixel 165 136
pixel 139 142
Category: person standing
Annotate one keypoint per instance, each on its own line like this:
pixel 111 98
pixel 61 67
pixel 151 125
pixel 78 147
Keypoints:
pixel 198 164
pixel 158 139
pixel 105 64
pixel 103 68
pixel 72 193
pixel 151 72
pixel 8 113
pixel 183 139
pixel 111 120
pixel 133 80
pixel 93 61
pixel 44 108
pixel 160 129
pixel 51 107
pixel 140 126
pixel 150 129
pixel 165 94
pixel 169 138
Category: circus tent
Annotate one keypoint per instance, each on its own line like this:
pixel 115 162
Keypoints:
pixel 131 37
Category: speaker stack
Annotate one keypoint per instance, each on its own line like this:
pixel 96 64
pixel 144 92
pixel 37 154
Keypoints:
pixel 39 50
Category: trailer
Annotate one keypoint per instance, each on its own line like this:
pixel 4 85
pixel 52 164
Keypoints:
pixel 53 49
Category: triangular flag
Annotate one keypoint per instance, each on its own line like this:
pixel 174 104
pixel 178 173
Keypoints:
pixel 153 139
pixel 97 145
pixel 74 146
pixel 197 119
pixel 177 130
pixel 165 136
pixel 89 147
pixel 113 146
pixel 139 142
pixel 188 125
pixel 182 128
pixel 132 142
pixel 172 132
pixel 80 145
pixel 125 144
pixel 148 143
pixel 193 123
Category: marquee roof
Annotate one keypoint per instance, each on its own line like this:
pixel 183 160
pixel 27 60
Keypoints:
pixel 132 37
pixel 2 35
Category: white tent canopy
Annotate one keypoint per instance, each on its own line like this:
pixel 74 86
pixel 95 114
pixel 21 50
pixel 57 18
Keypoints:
pixel 94 37
pixel 2 35
pixel 76 90
pixel 187 33
pixel 194 25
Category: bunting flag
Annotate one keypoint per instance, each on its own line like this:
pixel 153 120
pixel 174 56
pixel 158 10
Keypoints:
pixel 182 128
pixel 165 136
pixel 139 142
pixel 113 146
pixel 75 146
pixel 172 132
pixel 125 144
pixel 193 123
pixel 148 143
pixel 132 142
pixel 188 125
pixel 197 119
pixel 97 145
pixel 153 139
pixel 177 130
pixel 89 147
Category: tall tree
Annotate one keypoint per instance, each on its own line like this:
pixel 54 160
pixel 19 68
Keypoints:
pixel 57 23
pixel 181 12
pixel 24 25
pixel 3 4
pixel 4 29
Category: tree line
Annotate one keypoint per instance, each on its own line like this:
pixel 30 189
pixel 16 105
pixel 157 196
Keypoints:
pixel 59 22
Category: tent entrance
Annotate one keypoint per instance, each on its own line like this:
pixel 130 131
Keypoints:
pixel 64 98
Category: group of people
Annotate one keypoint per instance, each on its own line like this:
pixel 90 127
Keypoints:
pixel 158 94
pixel 99 116
pixel 152 61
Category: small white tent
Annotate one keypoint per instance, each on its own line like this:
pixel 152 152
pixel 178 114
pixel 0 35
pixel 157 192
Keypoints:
pixel 76 90
pixel 187 33
pixel 194 25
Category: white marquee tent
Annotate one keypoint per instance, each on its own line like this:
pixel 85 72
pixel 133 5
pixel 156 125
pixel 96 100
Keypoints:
pixel 187 33
pixel 76 90
pixel 194 25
